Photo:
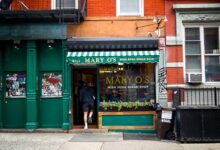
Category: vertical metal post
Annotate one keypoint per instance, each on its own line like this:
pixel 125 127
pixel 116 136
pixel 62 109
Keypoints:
pixel 215 96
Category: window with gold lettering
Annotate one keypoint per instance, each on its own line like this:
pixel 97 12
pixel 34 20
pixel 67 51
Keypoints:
pixel 127 82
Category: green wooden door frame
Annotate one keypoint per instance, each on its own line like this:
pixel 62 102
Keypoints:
pixel 97 81
pixel 1 85
pixel 32 118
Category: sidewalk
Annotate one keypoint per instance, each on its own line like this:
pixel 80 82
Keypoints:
pixel 68 141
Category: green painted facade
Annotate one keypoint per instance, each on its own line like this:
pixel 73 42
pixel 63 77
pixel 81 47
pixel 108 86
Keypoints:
pixel 127 120
pixel 34 57
pixel 1 75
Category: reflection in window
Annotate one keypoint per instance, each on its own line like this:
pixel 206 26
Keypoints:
pixel 15 85
pixel 129 82
pixel 51 84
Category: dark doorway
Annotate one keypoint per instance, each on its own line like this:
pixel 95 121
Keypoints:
pixel 78 75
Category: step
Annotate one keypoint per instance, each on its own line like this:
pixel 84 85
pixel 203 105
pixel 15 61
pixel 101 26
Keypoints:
pixel 88 131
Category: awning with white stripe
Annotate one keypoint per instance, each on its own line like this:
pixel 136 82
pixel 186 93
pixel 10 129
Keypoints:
pixel 113 57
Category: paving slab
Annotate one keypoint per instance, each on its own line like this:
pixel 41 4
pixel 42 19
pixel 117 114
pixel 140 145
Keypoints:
pixel 97 137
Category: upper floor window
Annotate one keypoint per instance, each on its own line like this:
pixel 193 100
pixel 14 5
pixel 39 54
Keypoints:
pixel 64 4
pixel 202 52
pixel 130 8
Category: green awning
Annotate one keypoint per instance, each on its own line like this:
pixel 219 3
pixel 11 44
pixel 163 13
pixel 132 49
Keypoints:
pixel 113 57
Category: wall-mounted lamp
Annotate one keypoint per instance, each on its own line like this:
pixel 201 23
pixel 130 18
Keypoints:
pixel 17 44
pixel 50 43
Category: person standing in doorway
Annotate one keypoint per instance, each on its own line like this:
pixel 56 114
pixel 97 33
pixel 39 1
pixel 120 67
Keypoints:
pixel 87 98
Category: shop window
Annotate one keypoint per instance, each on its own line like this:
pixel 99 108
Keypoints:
pixel 127 83
pixel 16 85
pixel 202 49
pixel 130 7
pixel 51 85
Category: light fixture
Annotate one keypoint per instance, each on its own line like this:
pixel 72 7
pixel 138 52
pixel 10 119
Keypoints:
pixel 50 43
pixel 17 44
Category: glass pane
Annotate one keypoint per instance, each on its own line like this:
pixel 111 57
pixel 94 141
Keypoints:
pixel 127 82
pixel 129 6
pixel 52 84
pixel 193 63
pixel 212 68
pixel 211 41
pixel 65 3
pixel 193 47
pixel 192 34
pixel 15 85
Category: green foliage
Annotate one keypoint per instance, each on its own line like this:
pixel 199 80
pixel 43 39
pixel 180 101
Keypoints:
pixel 119 105
pixel 105 105
pixel 128 105
pixel 146 104
pixel 111 104
pixel 136 104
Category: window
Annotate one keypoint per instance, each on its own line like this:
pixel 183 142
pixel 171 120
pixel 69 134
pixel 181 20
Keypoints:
pixel 202 49
pixel 66 4
pixel 15 85
pixel 130 8
pixel 51 85
pixel 127 82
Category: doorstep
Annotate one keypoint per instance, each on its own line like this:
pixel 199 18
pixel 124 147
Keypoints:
pixel 53 130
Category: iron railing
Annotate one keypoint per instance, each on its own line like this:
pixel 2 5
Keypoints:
pixel 197 96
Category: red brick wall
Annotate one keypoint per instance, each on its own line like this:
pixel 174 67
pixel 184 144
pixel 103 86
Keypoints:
pixel 175 53
pixel 98 8
pixel 32 4
pixel 175 76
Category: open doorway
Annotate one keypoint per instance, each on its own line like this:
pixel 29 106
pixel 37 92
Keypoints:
pixel 78 75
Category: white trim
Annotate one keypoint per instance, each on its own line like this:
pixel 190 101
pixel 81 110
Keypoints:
pixel 141 8
pixel 202 47
pixel 170 104
pixel 175 85
pixel 196 6
pixel 76 4
pixel 175 64
pixel 53 4
pixel 172 40
pixel 156 83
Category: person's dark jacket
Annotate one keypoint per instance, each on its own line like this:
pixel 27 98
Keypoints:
pixel 86 95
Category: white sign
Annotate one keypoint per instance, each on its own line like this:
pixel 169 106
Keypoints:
pixel 166 114
pixel 166 120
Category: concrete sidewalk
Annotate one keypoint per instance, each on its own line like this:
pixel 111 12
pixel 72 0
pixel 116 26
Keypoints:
pixel 63 141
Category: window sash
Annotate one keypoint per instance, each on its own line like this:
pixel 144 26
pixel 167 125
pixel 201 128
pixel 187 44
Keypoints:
pixel 65 4
pixel 130 6
pixel 204 55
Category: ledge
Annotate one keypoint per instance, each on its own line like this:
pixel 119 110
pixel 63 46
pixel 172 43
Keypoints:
pixel 214 6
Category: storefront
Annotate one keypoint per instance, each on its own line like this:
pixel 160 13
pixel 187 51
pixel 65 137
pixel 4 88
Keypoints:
pixel 122 71
pixel 34 77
